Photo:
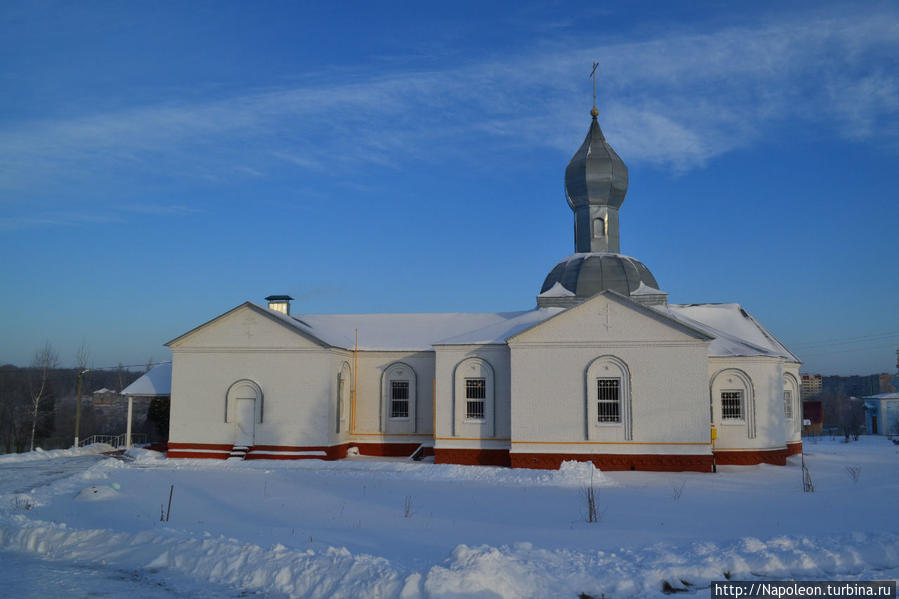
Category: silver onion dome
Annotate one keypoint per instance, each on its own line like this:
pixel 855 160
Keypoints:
pixel 587 274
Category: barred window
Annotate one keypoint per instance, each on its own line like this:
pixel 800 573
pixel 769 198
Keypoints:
pixel 788 403
pixel 608 395
pixel 475 394
pixel 399 399
pixel 731 405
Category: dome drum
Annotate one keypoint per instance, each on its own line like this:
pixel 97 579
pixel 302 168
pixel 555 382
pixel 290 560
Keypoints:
pixel 587 274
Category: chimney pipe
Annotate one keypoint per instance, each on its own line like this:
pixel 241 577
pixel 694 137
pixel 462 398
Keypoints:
pixel 279 303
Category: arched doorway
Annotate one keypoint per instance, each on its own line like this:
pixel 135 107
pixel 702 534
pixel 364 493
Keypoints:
pixel 243 408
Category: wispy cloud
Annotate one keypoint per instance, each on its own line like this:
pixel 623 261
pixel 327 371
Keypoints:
pixel 55 219
pixel 675 101
pixel 160 209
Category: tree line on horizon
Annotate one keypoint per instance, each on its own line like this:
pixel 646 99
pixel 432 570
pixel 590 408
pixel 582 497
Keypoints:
pixel 37 402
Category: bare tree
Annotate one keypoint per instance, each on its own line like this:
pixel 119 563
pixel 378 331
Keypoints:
pixel 82 357
pixel 149 365
pixel 120 372
pixel 45 360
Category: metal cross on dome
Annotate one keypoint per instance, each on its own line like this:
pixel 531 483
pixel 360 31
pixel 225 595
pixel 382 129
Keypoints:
pixel 593 76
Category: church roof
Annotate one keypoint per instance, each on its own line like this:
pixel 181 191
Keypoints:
pixel 418 331
pixel 736 332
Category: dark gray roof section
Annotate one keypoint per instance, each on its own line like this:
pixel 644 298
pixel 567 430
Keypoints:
pixel 587 274
pixel 595 175
pixel 278 298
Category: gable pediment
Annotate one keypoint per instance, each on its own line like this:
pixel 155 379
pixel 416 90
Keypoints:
pixel 247 327
pixel 609 318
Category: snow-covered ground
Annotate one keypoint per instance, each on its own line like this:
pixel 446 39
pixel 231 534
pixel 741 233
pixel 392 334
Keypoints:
pixel 390 528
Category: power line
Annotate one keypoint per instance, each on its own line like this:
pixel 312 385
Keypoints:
pixel 844 350
pixel 847 340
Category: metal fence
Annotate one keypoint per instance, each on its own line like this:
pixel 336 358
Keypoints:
pixel 117 441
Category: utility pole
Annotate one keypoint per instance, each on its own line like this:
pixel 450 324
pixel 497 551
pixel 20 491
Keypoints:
pixel 78 406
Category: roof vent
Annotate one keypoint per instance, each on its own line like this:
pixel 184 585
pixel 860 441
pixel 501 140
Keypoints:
pixel 279 303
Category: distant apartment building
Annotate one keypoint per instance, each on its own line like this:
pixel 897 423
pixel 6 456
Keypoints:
pixel 886 383
pixel 811 385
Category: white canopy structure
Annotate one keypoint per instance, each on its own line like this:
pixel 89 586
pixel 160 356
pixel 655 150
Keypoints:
pixel 157 382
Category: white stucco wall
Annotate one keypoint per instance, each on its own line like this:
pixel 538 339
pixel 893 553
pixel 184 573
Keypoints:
pixel 297 377
pixel 551 396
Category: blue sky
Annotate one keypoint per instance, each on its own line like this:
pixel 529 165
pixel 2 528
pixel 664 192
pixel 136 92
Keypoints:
pixel 162 162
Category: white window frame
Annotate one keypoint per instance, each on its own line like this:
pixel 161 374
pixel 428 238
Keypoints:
pixel 396 384
pixel 788 404
pixel 741 395
pixel 482 400
pixel 600 401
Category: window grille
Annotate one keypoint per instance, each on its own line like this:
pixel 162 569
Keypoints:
pixel 608 394
pixel 399 399
pixel 475 394
pixel 731 405
pixel 788 404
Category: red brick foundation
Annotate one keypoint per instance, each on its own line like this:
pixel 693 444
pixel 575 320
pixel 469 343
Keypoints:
pixel 777 457
pixel 794 448
pixel 472 457
pixel 257 452
pixel 395 450
pixel 652 462
pixel 176 450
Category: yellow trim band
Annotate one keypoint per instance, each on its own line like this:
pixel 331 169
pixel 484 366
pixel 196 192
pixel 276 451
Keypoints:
pixel 610 443
pixel 469 439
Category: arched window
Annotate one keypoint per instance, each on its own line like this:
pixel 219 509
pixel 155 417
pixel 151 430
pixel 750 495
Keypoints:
pixel 398 399
pixel 473 398
pixel 599 227
pixel 344 383
pixel 792 405
pixel 608 396
pixel 733 399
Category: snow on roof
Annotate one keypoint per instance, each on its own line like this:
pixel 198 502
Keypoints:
pixel 645 289
pixel 386 332
pixel 883 396
pixel 557 290
pixel 104 390
pixel 500 331
pixel 736 332
pixel 156 382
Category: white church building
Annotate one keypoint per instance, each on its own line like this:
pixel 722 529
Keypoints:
pixel 603 369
